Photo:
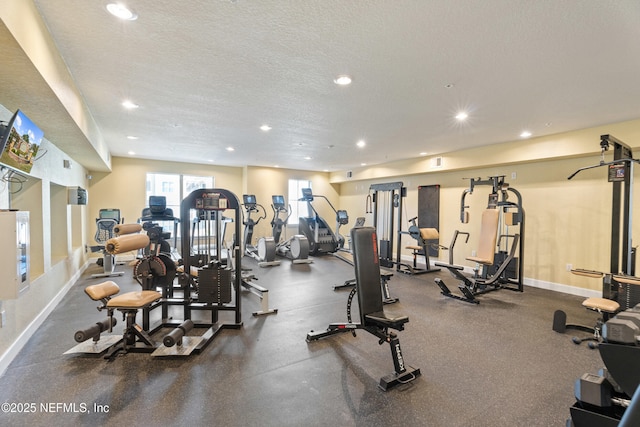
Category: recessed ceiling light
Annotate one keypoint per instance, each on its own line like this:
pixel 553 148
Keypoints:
pixel 307 158
pixel 121 11
pixel 276 166
pixel 131 153
pixel 361 143
pixel 342 80
pixel 129 105
pixel 265 128
pixel 363 164
pixel 525 134
pixel 423 154
pixel 210 160
pixel 230 149
pixel 132 137
pixel 462 116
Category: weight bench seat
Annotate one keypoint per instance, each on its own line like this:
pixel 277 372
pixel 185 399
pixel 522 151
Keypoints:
pixel 381 319
pixel 134 300
pixel 102 290
pixel 425 234
pixel 601 304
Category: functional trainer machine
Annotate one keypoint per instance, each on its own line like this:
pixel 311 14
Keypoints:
pixel 620 287
pixel 385 202
pixel 499 259
pixel 373 319
pixel 322 239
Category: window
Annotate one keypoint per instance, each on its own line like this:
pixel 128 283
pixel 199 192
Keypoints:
pixel 295 193
pixel 174 187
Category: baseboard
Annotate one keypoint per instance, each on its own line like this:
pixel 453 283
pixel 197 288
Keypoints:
pixel 565 289
pixel 542 284
pixel 13 350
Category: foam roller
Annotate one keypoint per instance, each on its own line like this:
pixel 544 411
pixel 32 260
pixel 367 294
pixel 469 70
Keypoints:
pixel 95 330
pixel 126 243
pixel 175 336
pixel 121 229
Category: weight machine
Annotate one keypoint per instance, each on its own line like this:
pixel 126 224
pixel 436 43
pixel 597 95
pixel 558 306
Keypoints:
pixel 385 202
pixel 620 287
pixel 497 264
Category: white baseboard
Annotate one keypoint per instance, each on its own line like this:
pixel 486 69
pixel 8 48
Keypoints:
pixel 7 357
pixel 542 284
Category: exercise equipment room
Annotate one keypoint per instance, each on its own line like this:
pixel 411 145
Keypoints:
pixel 318 213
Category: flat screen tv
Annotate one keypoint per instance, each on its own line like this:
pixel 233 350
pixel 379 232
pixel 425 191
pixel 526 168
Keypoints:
pixel 20 142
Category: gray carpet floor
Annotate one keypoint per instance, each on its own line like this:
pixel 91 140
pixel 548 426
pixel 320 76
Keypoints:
pixel 494 364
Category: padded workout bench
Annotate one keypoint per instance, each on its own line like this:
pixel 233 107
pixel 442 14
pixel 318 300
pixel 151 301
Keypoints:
pixel 373 319
pixel 134 337
pixel 423 235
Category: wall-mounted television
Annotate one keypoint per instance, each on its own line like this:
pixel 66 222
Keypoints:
pixel 19 141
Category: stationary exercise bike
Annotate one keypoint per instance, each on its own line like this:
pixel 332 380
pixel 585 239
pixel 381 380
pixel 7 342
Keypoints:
pixel 296 248
pixel 265 252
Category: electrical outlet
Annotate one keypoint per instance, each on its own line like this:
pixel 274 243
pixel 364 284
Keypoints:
pixel 569 267
pixel 473 253
pixel 514 175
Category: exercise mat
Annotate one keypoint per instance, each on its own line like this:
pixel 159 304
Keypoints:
pixel 126 243
pixel 121 229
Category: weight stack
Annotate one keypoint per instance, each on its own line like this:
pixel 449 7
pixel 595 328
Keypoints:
pixel 214 285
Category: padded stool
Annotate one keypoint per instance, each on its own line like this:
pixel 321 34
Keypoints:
pixel 606 308
pixel 129 304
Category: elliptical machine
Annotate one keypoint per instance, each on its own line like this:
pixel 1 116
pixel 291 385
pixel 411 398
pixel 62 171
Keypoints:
pixel 265 253
pixel 295 248
pixel 321 238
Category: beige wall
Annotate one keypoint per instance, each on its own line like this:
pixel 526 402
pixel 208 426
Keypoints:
pixel 55 263
pixel 567 222
pixel 266 182
pixel 125 187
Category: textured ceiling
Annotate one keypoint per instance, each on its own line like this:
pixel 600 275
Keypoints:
pixel 208 73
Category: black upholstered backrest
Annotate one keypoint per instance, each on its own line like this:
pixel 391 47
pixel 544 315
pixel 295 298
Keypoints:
pixel 367 268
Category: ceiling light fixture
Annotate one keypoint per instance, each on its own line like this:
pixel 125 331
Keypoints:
pixel 129 105
pixel 525 134
pixel 121 11
pixel 231 149
pixel 342 80
pixel 361 143
pixel 307 158
pixel 363 164
pixel 131 153
pixel 132 137
pixel 265 128
pixel 423 153
pixel 462 116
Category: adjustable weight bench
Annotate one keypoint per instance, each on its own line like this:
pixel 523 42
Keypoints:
pixel 373 319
